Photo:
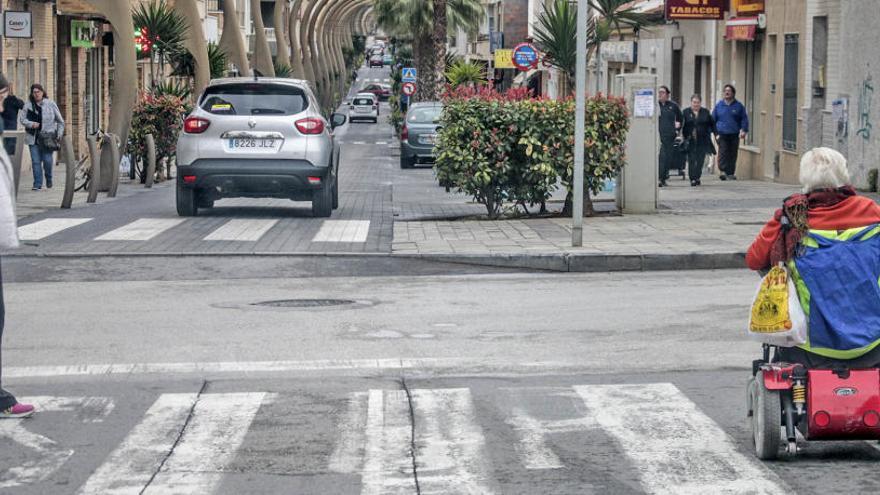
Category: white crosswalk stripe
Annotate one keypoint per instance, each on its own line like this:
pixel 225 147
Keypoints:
pixel 49 226
pixel 343 231
pixel 142 229
pixel 242 230
pixel 676 448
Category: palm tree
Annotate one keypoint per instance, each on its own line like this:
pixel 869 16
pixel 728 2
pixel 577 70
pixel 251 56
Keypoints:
pixel 164 29
pixel 416 19
pixel 466 74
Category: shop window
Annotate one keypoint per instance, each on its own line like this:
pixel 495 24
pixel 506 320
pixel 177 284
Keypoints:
pixel 790 93
pixel 752 96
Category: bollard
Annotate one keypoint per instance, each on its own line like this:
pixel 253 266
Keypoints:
pixel 151 161
pixel 112 141
pixel 18 157
pixel 70 161
pixel 95 172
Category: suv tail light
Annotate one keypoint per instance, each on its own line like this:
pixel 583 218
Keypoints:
pixel 195 125
pixel 310 126
pixel 404 133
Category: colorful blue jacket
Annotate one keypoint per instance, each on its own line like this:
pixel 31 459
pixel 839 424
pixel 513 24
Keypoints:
pixel 730 119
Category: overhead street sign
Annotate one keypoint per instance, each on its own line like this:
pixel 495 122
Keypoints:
pixel 408 74
pixel 408 88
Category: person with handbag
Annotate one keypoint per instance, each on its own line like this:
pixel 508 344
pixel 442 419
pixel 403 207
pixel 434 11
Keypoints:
pixel 828 240
pixel 9 406
pixel 697 130
pixel 44 127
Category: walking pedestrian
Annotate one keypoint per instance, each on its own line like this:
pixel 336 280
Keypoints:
pixel 670 123
pixel 44 125
pixel 731 125
pixel 9 406
pixel 698 129
pixel 12 105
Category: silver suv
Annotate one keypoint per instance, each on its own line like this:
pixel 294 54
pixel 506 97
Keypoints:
pixel 258 138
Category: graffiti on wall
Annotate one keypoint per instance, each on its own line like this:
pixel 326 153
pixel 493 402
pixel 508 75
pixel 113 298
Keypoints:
pixel 865 102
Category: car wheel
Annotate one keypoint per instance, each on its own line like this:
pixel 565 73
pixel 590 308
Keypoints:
pixel 322 202
pixel 336 193
pixel 405 162
pixel 186 202
pixel 203 202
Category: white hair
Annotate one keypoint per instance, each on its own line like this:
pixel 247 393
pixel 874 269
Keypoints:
pixel 823 168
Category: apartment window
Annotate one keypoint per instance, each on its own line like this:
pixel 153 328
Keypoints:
pixel 752 97
pixel 790 93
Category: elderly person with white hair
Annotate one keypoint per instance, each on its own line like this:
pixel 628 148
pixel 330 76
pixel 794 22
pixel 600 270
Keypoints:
pixel 829 238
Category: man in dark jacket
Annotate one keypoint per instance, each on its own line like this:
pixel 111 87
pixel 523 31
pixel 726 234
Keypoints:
pixel 11 106
pixel 731 125
pixel 669 124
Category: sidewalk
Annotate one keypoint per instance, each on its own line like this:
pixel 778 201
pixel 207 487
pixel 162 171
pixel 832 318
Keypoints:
pixel 696 228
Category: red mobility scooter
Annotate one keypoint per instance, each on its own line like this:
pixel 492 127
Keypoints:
pixel 823 404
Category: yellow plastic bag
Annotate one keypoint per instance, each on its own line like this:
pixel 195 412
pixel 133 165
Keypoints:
pixel 777 317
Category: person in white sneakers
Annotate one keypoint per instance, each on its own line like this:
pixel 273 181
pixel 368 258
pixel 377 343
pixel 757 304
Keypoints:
pixel 9 406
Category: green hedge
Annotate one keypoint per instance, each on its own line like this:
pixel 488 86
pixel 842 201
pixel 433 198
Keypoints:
pixel 510 148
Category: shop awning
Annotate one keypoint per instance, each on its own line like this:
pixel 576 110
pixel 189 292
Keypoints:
pixel 741 28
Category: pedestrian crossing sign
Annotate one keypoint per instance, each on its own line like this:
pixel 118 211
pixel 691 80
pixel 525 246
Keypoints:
pixel 408 74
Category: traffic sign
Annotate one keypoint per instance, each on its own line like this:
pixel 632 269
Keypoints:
pixel 409 88
pixel 525 56
pixel 408 74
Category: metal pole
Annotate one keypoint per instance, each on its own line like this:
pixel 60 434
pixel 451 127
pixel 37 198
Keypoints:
pixel 577 214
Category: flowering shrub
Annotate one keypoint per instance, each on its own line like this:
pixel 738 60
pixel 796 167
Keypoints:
pixel 162 116
pixel 510 147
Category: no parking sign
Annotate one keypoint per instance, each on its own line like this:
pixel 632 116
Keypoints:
pixel 408 88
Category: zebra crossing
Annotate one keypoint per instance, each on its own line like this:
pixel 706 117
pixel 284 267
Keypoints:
pixel 236 230
pixel 388 438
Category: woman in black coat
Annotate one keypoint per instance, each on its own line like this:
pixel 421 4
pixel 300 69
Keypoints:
pixel 698 128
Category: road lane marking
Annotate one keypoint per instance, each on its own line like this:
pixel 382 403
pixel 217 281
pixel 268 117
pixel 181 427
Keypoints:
pixel 49 226
pixel 358 142
pixel 142 229
pixel 209 444
pixel 381 142
pixel 343 231
pixel 532 446
pixel 451 446
pixel 244 230
pixel 87 409
pixel 387 460
pixel 674 446
pixel 347 456
pixel 216 430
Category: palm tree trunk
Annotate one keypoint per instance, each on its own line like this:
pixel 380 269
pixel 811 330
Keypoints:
pixel 439 51
pixel 425 64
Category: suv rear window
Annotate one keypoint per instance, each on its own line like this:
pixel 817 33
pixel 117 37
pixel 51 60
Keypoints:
pixel 254 99
pixel 363 101
pixel 424 115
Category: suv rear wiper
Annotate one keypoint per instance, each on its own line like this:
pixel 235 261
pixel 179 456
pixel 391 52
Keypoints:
pixel 264 111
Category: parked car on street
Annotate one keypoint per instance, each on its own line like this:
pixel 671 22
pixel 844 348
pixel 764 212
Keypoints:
pixel 382 91
pixel 261 138
pixel 419 133
pixel 387 59
pixel 364 106
pixel 376 61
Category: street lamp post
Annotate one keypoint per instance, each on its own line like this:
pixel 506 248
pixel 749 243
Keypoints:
pixel 577 214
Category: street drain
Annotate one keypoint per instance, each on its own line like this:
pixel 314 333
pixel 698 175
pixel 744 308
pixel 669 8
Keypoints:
pixel 304 303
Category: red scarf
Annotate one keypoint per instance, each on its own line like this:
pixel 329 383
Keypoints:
pixel 794 216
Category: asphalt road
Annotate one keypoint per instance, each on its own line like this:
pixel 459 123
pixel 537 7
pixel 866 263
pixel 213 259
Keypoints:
pixel 472 383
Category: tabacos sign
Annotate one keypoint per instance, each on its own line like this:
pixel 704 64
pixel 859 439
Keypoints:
pixel 17 24
pixel 695 9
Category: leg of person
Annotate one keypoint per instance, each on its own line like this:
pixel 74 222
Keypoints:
pixel 696 157
pixel 9 407
pixel 48 166
pixel 664 160
pixel 37 166
pixel 9 146
pixel 734 155
pixel 724 154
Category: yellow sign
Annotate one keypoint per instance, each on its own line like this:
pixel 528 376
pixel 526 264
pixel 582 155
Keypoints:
pixel 749 7
pixel 504 59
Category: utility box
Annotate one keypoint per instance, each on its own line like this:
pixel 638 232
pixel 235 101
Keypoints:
pixel 637 190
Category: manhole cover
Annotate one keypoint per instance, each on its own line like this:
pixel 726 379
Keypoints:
pixel 304 303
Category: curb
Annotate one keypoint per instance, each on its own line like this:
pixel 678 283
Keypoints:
pixel 561 262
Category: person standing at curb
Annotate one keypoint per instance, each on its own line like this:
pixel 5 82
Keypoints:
pixel 9 406
pixel 44 125
pixel 698 129
pixel 12 105
pixel 731 125
pixel 669 124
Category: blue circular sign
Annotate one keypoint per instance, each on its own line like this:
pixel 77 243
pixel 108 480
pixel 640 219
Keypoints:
pixel 525 56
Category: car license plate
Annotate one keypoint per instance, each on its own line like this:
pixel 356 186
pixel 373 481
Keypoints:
pixel 428 138
pixel 364 109
pixel 253 143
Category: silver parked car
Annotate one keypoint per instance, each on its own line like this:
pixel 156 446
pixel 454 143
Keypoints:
pixel 419 133
pixel 258 138
pixel 364 106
